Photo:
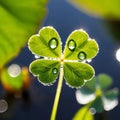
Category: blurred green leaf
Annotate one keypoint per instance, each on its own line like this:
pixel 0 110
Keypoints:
pixel 11 81
pixel 103 8
pixel 98 104
pixel 91 85
pixel 83 114
pixel 84 95
pixel 96 89
pixel 104 81
pixel 110 99
pixel 19 19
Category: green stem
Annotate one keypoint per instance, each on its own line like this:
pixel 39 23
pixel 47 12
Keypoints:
pixel 57 96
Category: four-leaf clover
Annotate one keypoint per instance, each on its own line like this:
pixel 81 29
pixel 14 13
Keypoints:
pixel 96 94
pixel 79 48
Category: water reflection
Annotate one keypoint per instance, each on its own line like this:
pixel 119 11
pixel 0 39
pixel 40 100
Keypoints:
pixel 118 54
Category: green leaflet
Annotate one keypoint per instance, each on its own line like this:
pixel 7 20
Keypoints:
pixel 19 19
pixel 79 46
pixel 105 81
pixel 110 99
pixel 76 73
pixel 46 70
pixel 83 114
pixel 48 45
pixel 98 104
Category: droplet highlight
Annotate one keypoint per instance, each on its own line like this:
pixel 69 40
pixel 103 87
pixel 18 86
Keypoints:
pixel 82 55
pixel 92 111
pixel 36 56
pixel 55 71
pixel 3 106
pixel 71 45
pixel 53 43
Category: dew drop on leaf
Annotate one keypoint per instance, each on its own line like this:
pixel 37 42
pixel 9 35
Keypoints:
pixel 53 43
pixel 71 45
pixel 37 56
pixel 55 71
pixel 3 105
pixel 82 55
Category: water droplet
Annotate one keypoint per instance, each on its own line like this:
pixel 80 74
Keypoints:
pixel 82 55
pixel 37 56
pixel 3 105
pixel 53 43
pixel 92 111
pixel 71 45
pixel 55 71
pixel 89 60
pixel 14 70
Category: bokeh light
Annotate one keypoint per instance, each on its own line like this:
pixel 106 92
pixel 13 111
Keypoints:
pixel 3 106
pixel 14 70
pixel 118 54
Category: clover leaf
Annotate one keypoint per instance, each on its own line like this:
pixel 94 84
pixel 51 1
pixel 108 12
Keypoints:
pixel 71 63
pixel 95 93
pixel 19 19
pixel 79 47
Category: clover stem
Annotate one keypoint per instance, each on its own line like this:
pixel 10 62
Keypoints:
pixel 57 96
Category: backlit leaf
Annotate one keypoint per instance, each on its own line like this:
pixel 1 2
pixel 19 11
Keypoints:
pixel 46 43
pixel 11 82
pixel 46 70
pixel 83 114
pixel 19 19
pixel 102 8
pixel 77 73
pixel 79 46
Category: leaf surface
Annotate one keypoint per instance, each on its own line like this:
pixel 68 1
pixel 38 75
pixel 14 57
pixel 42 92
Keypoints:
pixel 19 19
pixel 12 83
pixel 46 70
pixel 83 114
pixel 47 43
pixel 76 73
pixel 80 47
pixel 103 8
